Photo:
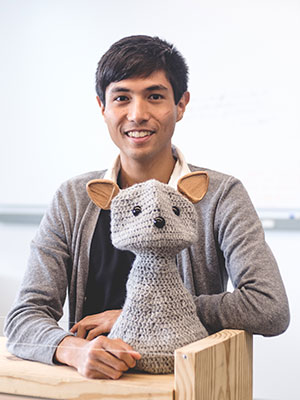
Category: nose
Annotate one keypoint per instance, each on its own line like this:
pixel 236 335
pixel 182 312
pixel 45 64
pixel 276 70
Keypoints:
pixel 159 222
pixel 138 111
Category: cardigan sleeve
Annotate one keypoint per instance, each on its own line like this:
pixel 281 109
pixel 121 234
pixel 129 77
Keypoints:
pixel 32 324
pixel 258 302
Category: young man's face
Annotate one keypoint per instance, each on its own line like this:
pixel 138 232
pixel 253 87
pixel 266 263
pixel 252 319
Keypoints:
pixel 141 114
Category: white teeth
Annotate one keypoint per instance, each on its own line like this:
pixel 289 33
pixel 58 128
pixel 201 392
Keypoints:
pixel 139 134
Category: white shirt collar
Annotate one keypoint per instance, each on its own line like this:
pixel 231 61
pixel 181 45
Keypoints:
pixel 181 168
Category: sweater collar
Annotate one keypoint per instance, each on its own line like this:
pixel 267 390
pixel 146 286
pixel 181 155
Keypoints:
pixel 181 168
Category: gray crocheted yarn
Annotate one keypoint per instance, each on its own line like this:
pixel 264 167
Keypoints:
pixel 159 314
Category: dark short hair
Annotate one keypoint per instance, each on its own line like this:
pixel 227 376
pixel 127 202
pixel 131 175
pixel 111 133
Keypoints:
pixel 140 56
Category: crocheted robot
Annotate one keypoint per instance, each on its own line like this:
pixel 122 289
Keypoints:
pixel 155 222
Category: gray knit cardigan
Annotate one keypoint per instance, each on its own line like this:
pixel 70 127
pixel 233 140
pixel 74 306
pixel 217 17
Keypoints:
pixel 230 244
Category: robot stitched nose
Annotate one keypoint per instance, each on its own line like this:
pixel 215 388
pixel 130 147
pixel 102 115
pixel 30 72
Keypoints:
pixel 159 222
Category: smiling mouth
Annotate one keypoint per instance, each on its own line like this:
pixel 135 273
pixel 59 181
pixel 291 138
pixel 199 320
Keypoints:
pixel 138 134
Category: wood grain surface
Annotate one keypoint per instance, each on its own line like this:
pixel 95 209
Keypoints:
pixel 28 378
pixel 217 367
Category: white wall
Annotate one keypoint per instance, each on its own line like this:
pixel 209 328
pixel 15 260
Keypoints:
pixel 243 117
pixel 276 369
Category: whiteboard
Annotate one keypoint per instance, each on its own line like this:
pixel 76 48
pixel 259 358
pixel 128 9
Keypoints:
pixel 243 118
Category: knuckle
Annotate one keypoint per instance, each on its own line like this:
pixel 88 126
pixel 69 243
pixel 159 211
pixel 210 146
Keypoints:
pixel 123 367
pixel 88 374
pixel 116 374
pixel 93 375
pixel 100 339
pixel 86 371
pixel 90 353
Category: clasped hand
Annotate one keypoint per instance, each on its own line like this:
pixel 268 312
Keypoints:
pixel 95 355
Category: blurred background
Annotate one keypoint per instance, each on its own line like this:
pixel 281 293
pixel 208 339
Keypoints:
pixel 243 119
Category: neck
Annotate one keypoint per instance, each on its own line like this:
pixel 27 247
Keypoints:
pixel 133 171
pixel 163 264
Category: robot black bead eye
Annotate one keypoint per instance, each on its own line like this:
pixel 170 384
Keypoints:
pixel 136 210
pixel 176 210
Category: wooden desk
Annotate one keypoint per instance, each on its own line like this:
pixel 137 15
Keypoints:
pixel 219 366
pixel 4 396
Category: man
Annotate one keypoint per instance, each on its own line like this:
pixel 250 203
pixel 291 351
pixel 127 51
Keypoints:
pixel 141 85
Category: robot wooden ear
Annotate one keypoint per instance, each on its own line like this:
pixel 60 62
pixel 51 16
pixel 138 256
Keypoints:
pixel 101 192
pixel 193 186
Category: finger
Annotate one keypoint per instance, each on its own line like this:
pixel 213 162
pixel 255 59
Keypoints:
pixel 129 349
pixel 111 362
pixel 96 369
pixel 74 328
pixel 86 322
pixel 81 331
pixel 93 333
pixel 135 355
pixel 107 351
pixel 121 351
pixel 82 324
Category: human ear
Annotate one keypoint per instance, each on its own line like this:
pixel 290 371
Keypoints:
pixel 193 186
pixel 181 105
pixel 102 191
pixel 101 105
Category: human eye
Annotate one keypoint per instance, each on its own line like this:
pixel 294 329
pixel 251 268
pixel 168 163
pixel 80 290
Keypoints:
pixel 155 96
pixel 121 98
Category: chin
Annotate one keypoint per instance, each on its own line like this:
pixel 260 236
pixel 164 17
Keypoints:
pixel 141 155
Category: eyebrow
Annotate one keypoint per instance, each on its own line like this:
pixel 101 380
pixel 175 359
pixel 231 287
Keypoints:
pixel 152 88
pixel 156 87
